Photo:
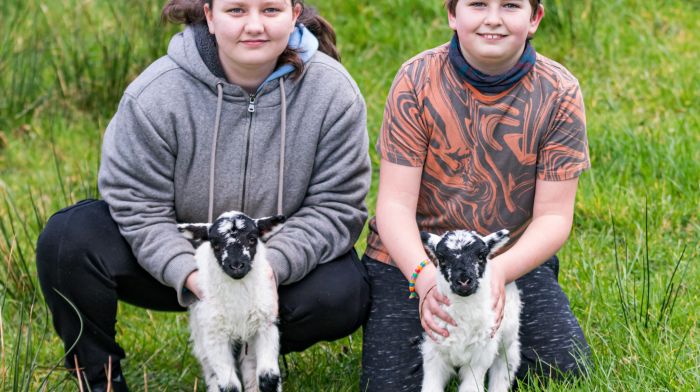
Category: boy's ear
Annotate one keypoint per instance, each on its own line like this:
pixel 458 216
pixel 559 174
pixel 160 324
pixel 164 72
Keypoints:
pixel 451 20
pixel 495 241
pixel 269 225
pixel 537 16
pixel 195 232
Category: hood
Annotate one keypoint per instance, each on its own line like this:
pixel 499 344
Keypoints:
pixel 195 51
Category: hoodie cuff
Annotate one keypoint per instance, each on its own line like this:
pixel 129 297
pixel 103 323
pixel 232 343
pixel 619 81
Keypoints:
pixel 280 265
pixel 175 274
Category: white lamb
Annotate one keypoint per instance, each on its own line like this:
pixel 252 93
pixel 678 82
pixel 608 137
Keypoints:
pixel 234 325
pixel 462 259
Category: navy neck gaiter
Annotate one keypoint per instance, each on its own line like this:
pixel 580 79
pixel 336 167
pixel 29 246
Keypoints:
pixel 491 84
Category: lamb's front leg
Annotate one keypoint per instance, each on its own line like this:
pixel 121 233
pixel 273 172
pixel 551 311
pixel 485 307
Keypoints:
pixel 472 378
pixel 507 362
pixel 222 361
pixel 436 372
pixel 267 348
pixel 248 363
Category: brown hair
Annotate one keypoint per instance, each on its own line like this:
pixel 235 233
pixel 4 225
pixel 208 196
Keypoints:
pixel 451 5
pixel 192 11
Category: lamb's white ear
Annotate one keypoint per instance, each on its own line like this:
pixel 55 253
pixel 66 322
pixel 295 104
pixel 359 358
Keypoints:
pixel 269 225
pixel 430 242
pixel 195 232
pixel 495 241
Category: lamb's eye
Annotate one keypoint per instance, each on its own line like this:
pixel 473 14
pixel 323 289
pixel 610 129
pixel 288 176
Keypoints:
pixel 216 247
pixel 252 241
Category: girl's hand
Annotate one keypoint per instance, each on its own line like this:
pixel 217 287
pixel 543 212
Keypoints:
pixel 498 294
pixel 430 309
pixel 273 279
pixel 192 284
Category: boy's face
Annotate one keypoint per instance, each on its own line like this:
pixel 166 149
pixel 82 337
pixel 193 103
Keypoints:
pixel 492 33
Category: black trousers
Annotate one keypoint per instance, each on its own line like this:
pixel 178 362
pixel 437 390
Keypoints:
pixel 552 342
pixel 81 255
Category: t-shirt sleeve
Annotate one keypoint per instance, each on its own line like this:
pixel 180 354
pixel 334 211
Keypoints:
pixel 563 152
pixel 403 138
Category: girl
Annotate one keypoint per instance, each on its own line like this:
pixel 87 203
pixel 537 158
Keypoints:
pixel 251 111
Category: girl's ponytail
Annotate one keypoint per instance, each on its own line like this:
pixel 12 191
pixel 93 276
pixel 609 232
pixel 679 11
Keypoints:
pixel 321 29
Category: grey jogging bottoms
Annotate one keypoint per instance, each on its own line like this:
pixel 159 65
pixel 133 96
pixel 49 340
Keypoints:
pixel 552 342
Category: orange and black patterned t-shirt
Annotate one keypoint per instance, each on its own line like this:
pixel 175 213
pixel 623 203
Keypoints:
pixel 480 153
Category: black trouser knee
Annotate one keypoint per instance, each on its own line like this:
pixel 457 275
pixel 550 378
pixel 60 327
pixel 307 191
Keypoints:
pixel 331 302
pixel 83 261
pixel 552 342
pixel 551 339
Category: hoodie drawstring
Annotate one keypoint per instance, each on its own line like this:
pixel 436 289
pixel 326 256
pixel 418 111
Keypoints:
pixel 283 132
pixel 217 123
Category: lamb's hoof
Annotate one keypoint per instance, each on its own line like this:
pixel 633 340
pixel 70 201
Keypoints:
pixel 231 388
pixel 269 382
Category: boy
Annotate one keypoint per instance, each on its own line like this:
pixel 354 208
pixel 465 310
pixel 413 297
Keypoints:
pixel 479 134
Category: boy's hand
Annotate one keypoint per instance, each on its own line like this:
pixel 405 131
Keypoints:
pixel 498 293
pixel 429 305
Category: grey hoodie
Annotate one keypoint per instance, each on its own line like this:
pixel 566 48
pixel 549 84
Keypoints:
pixel 157 156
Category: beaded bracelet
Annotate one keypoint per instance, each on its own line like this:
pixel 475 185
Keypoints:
pixel 414 276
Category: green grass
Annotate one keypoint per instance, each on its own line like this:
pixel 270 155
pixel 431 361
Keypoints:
pixel 630 267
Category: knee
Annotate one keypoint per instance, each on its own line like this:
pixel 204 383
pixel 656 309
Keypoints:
pixel 48 248
pixel 68 238
pixel 350 301
pixel 329 304
pixel 561 363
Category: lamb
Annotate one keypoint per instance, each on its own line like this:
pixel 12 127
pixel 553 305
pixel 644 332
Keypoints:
pixel 461 258
pixel 233 327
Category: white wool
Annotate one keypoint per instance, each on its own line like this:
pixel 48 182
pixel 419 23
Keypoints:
pixel 243 310
pixel 469 346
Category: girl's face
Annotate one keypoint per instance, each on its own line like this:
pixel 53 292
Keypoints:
pixel 492 33
pixel 251 34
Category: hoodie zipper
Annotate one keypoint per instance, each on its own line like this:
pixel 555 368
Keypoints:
pixel 251 110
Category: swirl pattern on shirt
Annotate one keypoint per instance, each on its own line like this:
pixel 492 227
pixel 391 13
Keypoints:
pixel 481 154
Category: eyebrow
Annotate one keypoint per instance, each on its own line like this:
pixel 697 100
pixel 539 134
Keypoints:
pixel 239 3
pixel 230 3
pixel 264 3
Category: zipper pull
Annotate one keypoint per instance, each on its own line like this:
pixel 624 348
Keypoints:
pixel 251 104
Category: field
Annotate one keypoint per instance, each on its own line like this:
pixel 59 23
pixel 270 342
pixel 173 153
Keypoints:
pixel 630 267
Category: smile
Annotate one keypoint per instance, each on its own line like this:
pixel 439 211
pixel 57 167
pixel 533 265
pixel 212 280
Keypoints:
pixel 492 36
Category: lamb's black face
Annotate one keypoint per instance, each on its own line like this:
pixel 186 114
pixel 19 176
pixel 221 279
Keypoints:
pixel 462 256
pixel 462 261
pixel 234 239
